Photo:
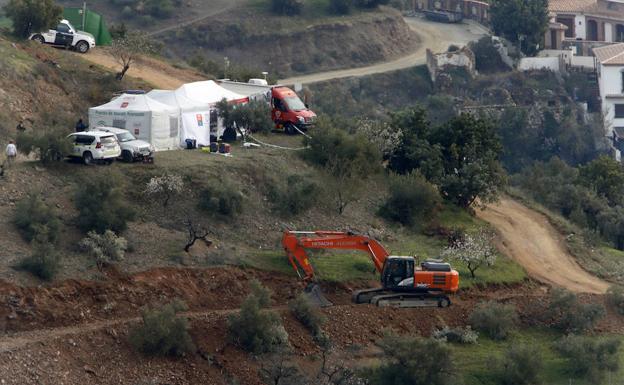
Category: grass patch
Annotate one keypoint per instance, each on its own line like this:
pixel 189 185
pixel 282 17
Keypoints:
pixel 476 364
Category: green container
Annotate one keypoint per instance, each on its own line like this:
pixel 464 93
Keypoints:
pixel 93 23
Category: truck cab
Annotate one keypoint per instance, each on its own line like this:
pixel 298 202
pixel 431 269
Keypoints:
pixel 289 112
pixel 403 274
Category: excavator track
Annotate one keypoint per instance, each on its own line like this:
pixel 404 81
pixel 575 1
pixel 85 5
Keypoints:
pixel 411 300
pixel 383 298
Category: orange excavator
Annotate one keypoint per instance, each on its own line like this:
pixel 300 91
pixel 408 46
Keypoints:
pixel 403 283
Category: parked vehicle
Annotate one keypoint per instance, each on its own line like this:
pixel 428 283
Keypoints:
pixel 65 35
pixel 131 148
pixel 94 147
pixel 289 112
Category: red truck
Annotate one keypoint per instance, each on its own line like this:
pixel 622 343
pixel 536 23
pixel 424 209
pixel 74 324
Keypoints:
pixel 288 112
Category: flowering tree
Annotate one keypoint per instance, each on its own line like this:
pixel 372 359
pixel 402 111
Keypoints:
pixel 474 250
pixel 165 186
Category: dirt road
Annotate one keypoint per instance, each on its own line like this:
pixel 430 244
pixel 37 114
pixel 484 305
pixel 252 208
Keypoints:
pixel 531 240
pixel 435 36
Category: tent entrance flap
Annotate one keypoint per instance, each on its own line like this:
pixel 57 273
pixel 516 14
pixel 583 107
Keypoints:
pixel 196 125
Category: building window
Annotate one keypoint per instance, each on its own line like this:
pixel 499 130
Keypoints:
pixel 622 74
pixel 619 111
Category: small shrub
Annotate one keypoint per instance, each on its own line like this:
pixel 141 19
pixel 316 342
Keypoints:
pixel 494 319
pixel 307 314
pixel 32 214
pixel 101 205
pixel 287 7
pixel 570 315
pixel 295 196
pixel 44 261
pixel 411 200
pixel 163 332
pixel 413 361
pixel 104 248
pixel 222 199
pixel 456 335
pixel 370 3
pixel 615 297
pixel 590 357
pixel 340 7
pixel 521 365
pixel 261 293
pixel 255 329
pixel 49 147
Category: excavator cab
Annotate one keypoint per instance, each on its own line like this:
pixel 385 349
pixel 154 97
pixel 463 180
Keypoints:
pixel 398 273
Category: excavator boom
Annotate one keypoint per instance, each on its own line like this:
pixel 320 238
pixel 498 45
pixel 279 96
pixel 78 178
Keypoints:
pixel 295 244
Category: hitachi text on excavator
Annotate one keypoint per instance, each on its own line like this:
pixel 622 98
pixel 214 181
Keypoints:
pixel 403 283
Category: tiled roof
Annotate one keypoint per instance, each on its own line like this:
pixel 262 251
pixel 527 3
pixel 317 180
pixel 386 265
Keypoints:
pixel 610 54
pixel 587 7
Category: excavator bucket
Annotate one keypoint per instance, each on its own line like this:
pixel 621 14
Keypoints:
pixel 316 297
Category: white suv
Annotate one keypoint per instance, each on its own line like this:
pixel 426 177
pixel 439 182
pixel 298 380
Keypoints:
pixel 90 146
pixel 131 148
pixel 65 35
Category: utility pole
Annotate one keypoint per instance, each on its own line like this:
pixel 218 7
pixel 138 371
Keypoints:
pixel 226 65
pixel 84 15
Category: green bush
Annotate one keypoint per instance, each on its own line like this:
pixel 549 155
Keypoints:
pixel 411 200
pixel 104 248
pixel 255 329
pixel 370 3
pixel 287 7
pixel 32 16
pixel 101 205
pixel 49 147
pixel 32 214
pixel 163 332
pixel 456 335
pixel 487 58
pixel 494 319
pixel 413 361
pixel 615 297
pixel 570 315
pixel 590 357
pixel 45 259
pixel 340 7
pixel 307 314
pixel 293 196
pixel 221 198
pixel 521 365
pixel 331 145
pixel 254 116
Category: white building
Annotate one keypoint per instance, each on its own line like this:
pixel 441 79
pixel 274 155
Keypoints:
pixel 610 65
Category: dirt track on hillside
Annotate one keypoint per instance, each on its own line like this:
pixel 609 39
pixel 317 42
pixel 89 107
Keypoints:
pixel 531 240
pixel 434 36
pixel 158 73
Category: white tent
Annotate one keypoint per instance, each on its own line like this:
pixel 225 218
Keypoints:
pixel 148 119
pixel 196 102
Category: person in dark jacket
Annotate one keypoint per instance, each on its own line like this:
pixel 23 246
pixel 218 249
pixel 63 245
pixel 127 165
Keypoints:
pixel 80 126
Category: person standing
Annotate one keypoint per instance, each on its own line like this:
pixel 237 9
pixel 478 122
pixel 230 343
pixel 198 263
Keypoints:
pixel 11 153
pixel 80 126
pixel 20 127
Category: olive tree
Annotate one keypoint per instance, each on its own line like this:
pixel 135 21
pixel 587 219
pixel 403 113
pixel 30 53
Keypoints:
pixel 127 49
pixel 30 16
